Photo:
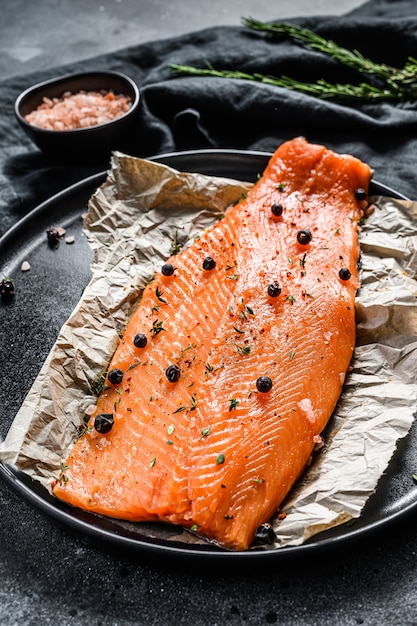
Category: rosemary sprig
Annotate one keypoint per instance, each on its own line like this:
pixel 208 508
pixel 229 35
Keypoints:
pixel 392 83
pixel 325 90
pixel 321 89
pixel 210 71
pixel 351 58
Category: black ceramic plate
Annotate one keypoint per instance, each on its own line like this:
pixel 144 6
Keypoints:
pixel 46 295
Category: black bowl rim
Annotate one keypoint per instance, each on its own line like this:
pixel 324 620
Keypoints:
pixel 72 76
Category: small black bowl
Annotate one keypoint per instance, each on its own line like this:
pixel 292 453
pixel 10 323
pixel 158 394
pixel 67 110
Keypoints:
pixel 93 143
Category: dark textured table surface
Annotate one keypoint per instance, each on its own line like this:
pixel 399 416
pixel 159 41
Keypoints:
pixel 50 575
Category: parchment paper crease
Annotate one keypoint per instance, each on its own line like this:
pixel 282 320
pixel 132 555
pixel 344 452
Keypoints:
pixel 133 220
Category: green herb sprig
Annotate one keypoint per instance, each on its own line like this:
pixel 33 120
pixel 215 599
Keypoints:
pixel 176 246
pixel 159 295
pixel 391 83
pixel 351 58
pixel 157 327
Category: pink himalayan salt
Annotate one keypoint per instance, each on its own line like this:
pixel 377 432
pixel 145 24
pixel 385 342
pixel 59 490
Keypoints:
pixel 79 110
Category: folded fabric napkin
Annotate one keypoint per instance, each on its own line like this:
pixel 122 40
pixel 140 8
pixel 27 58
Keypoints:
pixel 182 112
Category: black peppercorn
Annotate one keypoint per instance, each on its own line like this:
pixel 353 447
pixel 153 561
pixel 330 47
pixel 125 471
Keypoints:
pixel 115 376
pixel 6 289
pixel 264 384
pixel 265 534
pixel 52 235
pixel 103 423
pixel 276 209
pixel 173 373
pixel 209 263
pixel 167 269
pixel 303 237
pixel 360 194
pixel 274 290
pixel 344 273
pixel 140 340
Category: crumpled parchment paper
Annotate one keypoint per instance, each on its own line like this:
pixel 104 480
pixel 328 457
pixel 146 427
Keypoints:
pixel 133 221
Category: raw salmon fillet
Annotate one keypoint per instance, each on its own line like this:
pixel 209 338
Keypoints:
pixel 260 343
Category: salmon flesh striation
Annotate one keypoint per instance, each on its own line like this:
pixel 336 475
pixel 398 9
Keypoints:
pixel 234 359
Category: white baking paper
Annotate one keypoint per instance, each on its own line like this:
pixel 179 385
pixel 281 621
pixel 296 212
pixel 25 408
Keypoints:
pixel 133 221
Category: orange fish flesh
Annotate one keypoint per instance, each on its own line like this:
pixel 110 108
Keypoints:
pixel 249 333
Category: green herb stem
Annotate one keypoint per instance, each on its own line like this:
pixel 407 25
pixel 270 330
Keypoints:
pixel 394 83
pixel 351 58
pixel 321 88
